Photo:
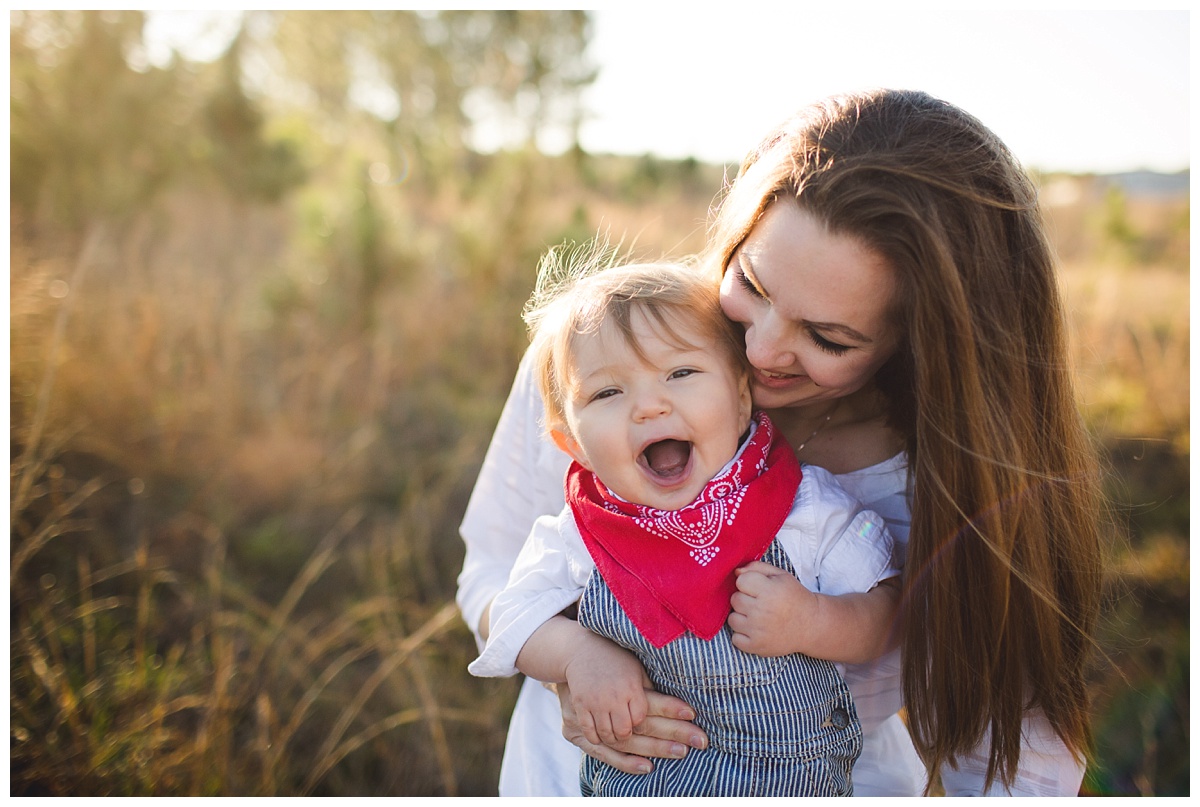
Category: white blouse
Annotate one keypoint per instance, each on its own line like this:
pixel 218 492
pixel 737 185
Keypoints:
pixel 522 480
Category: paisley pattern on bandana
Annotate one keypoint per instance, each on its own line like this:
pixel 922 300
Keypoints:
pixel 672 570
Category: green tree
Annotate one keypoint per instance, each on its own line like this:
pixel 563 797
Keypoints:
pixel 91 138
pixel 247 163
pixel 433 75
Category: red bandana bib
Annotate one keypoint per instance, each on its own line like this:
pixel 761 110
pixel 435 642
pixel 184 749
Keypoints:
pixel 672 570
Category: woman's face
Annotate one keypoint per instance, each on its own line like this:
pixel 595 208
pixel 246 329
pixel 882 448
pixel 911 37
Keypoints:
pixel 815 307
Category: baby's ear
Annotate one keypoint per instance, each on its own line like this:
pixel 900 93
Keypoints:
pixel 568 444
pixel 745 402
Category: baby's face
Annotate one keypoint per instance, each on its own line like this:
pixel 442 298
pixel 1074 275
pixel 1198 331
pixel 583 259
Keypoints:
pixel 656 430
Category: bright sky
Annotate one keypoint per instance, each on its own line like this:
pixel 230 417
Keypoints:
pixel 1067 90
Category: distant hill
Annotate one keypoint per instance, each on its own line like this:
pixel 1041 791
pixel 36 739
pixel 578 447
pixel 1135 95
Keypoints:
pixel 1150 183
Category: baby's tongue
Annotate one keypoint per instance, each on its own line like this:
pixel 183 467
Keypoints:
pixel 668 457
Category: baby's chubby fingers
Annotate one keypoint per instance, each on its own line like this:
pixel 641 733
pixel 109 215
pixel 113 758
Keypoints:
pixel 614 727
pixel 587 726
pixel 750 578
pixel 738 622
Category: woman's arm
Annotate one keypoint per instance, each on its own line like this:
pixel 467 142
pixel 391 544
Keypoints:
pixel 521 479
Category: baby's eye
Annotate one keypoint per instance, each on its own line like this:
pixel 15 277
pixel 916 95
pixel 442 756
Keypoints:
pixel 683 373
pixel 607 392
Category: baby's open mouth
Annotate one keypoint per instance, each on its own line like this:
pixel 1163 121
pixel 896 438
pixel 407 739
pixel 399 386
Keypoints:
pixel 667 458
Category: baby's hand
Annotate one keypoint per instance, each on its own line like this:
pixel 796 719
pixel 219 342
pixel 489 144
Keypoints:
pixel 608 690
pixel 772 611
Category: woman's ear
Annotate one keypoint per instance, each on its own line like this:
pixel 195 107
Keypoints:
pixel 568 444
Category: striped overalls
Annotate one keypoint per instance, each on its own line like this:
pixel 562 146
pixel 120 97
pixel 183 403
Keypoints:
pixel 781 726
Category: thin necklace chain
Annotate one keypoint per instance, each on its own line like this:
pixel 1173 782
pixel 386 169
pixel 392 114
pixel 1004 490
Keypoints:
pixel 820 426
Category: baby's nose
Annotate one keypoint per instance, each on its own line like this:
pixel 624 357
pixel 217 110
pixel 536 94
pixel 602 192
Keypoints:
pixel 650 405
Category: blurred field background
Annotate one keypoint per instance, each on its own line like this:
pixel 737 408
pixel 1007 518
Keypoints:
pixel 258 345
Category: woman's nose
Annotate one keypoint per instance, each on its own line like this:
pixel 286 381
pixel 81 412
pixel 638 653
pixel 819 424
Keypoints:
pixel 767 345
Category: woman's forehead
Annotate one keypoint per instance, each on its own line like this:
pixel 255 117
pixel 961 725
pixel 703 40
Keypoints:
pixel 810 272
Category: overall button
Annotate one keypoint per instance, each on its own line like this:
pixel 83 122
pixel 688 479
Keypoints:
pixel 840 718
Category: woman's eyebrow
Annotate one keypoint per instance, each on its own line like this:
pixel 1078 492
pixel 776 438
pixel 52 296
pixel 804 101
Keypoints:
pixel 747 267
pixel 837 326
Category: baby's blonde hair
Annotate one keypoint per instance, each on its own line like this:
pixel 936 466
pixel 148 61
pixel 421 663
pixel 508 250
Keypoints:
pixel 579 289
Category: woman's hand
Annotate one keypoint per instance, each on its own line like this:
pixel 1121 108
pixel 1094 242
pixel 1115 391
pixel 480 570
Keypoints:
pixel 666 733
pixel 604 673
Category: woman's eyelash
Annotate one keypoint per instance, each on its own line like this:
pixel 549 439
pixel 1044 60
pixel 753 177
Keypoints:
pixel 745 282
pixel 832 348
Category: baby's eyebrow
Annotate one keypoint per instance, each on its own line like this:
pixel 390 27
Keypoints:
pixel 599 377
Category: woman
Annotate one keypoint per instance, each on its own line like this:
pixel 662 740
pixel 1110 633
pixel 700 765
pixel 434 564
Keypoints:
pixel 885 256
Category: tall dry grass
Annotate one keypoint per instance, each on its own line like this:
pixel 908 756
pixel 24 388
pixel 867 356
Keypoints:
pixel 1131 332
pixel 234 519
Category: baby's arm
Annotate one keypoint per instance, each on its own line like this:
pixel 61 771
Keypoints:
pixel 607 683
pixel 774 615
pixel 843 607
pixel 526 633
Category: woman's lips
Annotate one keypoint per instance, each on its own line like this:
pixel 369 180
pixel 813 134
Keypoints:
pixel 777 380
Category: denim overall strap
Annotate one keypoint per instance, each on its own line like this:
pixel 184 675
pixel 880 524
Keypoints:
pixel 783 726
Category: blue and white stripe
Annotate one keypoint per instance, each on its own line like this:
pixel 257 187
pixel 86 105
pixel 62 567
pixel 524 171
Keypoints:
pixel 782 726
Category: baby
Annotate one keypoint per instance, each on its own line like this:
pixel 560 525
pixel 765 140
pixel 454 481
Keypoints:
pixel 675 485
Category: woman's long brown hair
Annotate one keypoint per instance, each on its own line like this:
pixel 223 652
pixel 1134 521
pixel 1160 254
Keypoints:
pixel 1003 574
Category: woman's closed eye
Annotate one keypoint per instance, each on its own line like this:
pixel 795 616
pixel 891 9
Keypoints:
pixel 745 283
pixel 832 348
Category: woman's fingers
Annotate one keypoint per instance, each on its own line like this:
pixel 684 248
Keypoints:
pixel 629 763
pixel 665 737
pixel 666 733
pixel 668 720
pixel 662 705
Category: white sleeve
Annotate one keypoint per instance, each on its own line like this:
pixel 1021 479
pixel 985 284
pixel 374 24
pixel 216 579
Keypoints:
pixel 1046 768
pixel 521 479
pixel 841 546
pixel 550 574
